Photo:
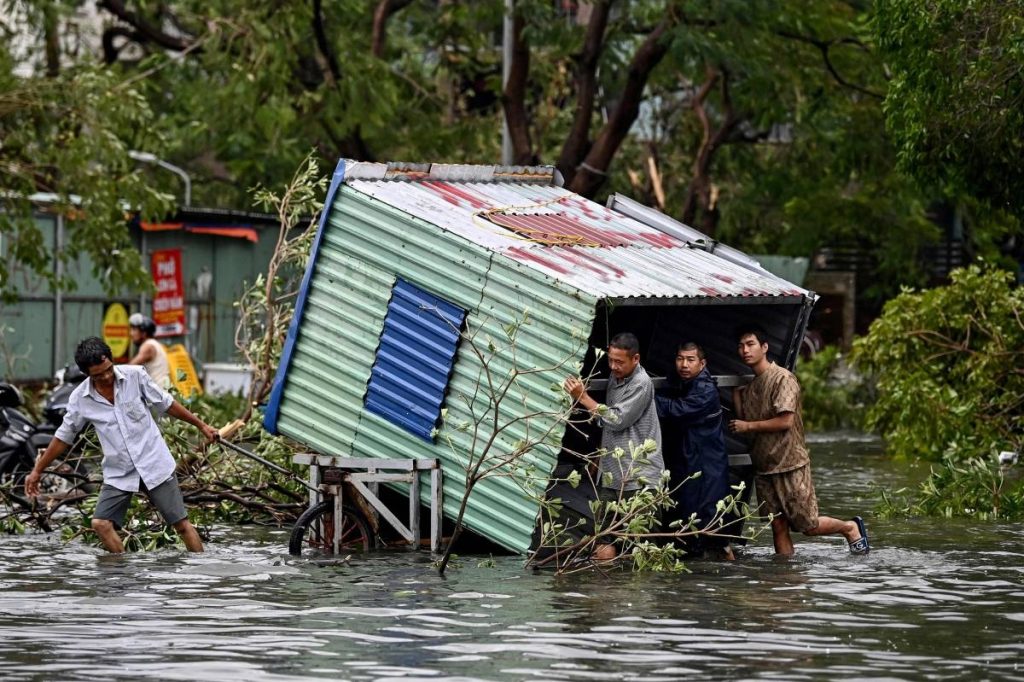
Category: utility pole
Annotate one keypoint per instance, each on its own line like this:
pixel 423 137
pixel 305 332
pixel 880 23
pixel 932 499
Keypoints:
pixel 507 38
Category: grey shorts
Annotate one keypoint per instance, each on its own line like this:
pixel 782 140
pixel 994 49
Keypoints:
pixel 166 497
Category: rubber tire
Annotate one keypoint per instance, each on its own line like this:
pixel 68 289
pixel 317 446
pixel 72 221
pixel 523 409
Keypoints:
pixel 297 541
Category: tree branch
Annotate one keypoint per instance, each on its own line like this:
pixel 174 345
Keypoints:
pixel 577 143
pixel 700 195
pixel 824 46
pixel 695 188
pixel 145 31
pixel 591 172
pixel 385 8
pixel 333 72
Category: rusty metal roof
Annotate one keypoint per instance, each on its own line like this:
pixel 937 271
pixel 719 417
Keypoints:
pixel 626 253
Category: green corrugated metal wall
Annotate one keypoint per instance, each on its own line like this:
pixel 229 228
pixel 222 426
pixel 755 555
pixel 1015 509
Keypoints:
pixel 31 318
pixel 365 246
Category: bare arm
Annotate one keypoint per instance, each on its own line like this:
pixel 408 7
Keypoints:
pixel 737 400
pixel 145 354
pixel 782 422
pixel 53 451
pixel 179 411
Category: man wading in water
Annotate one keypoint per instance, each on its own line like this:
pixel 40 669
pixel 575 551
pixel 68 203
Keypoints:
pixel 628 419
pixel 117 402
pixel 691 414
pixel 769 409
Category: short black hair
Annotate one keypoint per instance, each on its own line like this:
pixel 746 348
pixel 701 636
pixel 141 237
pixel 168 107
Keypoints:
pixel 91 352
pixel 751 329
pixel 627 342
pixel 690 345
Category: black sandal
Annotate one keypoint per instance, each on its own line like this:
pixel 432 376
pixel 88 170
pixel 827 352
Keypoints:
pixel 861 545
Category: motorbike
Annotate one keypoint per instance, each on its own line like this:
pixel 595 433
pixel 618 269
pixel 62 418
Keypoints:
pixel 68 378
pixel 21 439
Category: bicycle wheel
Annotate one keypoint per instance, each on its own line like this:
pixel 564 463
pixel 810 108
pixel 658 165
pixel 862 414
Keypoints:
pixel 314 531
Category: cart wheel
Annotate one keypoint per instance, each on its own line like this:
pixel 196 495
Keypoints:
pixel 314 531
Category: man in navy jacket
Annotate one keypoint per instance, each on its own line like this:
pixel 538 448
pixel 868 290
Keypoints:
pixel 691 414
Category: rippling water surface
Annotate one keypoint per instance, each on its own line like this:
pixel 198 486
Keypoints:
pixel 935 599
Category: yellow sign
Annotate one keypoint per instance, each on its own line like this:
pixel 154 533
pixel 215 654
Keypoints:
pixel 183 372
pixel 115 329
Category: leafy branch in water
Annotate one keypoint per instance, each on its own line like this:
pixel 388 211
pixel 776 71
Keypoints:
pixel 950 367
pixel 217 485
pixel 631 523
pixel 977 488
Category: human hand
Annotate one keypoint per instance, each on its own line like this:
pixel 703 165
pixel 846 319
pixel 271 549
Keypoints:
pixel 573 386
pixel 212 434
pixel 32 483
pixel 740 426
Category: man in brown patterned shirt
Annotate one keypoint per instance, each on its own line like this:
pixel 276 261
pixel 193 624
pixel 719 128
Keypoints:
pixel 769 409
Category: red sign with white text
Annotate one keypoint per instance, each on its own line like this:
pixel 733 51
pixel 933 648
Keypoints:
pixel 169 302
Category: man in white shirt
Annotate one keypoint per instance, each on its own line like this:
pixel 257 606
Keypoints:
pixel 117 402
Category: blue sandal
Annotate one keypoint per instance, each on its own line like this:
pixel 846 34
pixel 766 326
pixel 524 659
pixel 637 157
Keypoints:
pixel 860 546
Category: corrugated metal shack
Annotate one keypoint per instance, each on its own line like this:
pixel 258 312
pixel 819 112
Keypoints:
pixel 366 374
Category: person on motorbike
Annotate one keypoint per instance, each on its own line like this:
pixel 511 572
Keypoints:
pixel 151 353
pixel 117 401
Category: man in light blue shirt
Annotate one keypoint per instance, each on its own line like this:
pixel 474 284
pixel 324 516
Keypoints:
pixel 117 402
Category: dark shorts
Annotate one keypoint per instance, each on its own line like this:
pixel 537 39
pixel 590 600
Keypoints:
pixel 166 497
pixel 790 495
pixel 613 494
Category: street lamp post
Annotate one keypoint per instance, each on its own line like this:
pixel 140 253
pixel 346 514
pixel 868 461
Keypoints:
pixel 147 157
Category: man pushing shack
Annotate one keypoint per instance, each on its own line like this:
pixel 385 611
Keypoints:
pixel 629 420
pixel 769 409
pixel 691 414
pixel 117 402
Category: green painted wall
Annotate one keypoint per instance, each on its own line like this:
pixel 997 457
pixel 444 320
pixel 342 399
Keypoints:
pixel 31 318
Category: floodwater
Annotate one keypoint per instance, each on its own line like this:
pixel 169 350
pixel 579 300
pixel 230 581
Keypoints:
pixel 935 599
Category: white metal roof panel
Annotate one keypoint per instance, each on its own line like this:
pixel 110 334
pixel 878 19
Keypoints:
pixel 593 248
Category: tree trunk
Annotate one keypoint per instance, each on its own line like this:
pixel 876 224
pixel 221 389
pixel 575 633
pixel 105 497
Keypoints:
pixel 577 143
pixel 514 97
pixel 51 31
pixel 593 169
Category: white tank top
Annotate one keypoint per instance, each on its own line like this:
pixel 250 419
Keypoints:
pixel 158 368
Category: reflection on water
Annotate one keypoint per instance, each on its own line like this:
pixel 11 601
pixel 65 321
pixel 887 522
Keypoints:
pixel 934 599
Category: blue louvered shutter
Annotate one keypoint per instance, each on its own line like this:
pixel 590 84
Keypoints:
pixel 414 359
